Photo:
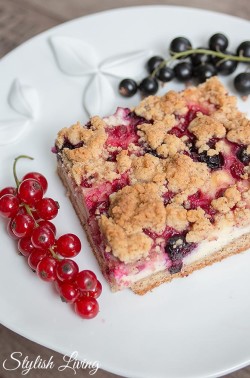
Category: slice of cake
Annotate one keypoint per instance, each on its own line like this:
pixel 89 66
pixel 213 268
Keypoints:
pixel 163 189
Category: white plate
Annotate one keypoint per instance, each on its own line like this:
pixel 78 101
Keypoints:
pixel 193 327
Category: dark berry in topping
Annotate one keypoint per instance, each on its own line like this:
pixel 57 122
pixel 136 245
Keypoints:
pixel 153 63
pixel 200 58
pixel 183 71
pixel 213 162
pixel 175 267
pixel 151 152
pixel 243 156
pixel 218 42
pixel 127 87
pixel 148 86
pixel 204 72
pixel 242 83
pixel 70 146
pixel 165 74
pixel 225 66
pixel 244 49
pixel 177 247
pixel 179 44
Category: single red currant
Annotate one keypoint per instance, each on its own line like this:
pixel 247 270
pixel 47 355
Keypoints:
pixel 39 177
pixel 86 307
pixel 68 245
pixel 30 191
pixel 8 190
pixel 46 269
pixel 47 208
pixel 48 224
pixel 86 280
pixel 43 237
pixel 10 232
pixel 25 246
pixel 22 225
pixel 68 292
pixel 36 256
pixel 66 270
pixel 94 293
pixel 9 205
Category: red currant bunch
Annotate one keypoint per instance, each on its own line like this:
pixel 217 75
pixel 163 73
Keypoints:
pixel 29 216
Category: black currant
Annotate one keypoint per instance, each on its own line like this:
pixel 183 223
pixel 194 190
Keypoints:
pixel 179 44
pixel 149 86
pixel 128 87
pixel 153 63
pixel 244 49
pixel 200 58
pixel 165 74
pixel 242 83
pixel 177 247
pixel 243 156
pixel 183 71
pixel 213 162
pixel 204 72
pixel 225 66
pixel 218 42
pixel 175 267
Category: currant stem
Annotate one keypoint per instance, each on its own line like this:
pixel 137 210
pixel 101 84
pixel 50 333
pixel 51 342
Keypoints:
pixel 54 255
pixel 14 167
pixel 186 53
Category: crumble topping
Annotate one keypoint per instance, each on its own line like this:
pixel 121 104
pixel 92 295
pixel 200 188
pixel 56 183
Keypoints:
pixel 155 133
pixel 176 217
pixel 171 145
pixel 148 168
pixel 186 176
pixel 225 203
pixel 241 134
pixel 205 128
pixel 200 226
pixel 123 161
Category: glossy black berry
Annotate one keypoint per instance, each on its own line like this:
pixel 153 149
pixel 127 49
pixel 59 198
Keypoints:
pixel 183 71
pixel 179 44
pixel 165 74
pixel 177 247
pixel 148 86
pixel 151 152
pixel 243 156
pixel 225 66
pixel 213 162
pixel 198 59
pixel 127 87
pixel 204 72
pixel 218 42
pixel 153 63
pixel 244 49
pixel 242 83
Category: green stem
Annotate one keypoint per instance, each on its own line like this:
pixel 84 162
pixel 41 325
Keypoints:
pixel 55 255
pixel 29 211
pixel 14 167
pixel 186 53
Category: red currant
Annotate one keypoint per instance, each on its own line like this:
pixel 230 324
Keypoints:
pixel 8 190
pixel 36 256
pixel 9 205
pixel 94 293
pixel 47 224
pixel 25 246
pixel 46 269
pixel 10 232
pixel 22 225
pixel 30 191
pixel 66 270
pixel 86 280
pixel 68 245
pixel 86 307
pixel 68 292
pixel 43 237
pixel 47 208
pixel 39 177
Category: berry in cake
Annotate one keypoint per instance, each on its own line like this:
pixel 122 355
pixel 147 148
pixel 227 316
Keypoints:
pixel 163 189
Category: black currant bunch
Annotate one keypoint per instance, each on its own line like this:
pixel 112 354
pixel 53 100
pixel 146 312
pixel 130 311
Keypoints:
pixel 193 64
